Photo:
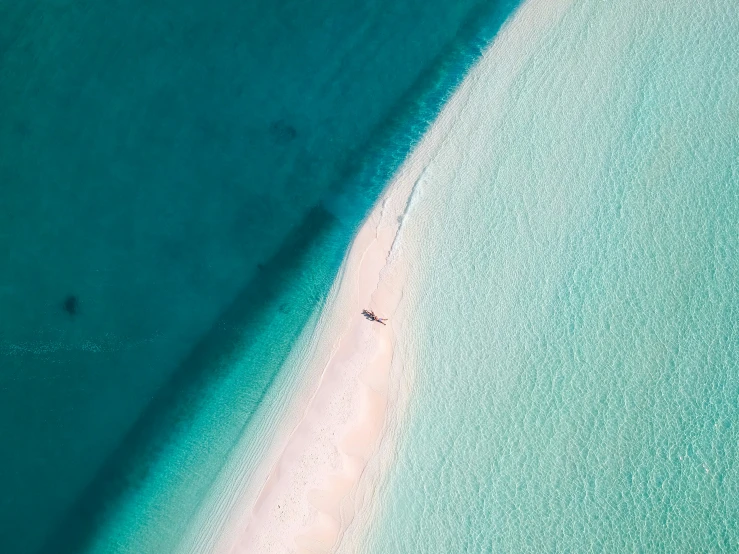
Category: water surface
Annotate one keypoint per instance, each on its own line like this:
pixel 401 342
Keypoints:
pixel 574 301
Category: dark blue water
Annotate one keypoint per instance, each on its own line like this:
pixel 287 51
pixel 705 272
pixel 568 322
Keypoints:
pixel 177 179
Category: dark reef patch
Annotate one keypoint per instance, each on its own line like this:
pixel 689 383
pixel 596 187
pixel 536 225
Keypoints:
pixel 71 305
pixel 282 132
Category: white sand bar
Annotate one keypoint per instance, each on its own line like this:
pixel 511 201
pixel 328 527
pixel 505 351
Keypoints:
pixel 305 504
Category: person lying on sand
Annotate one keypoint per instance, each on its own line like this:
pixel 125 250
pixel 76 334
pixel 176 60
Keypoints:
pixel 372 317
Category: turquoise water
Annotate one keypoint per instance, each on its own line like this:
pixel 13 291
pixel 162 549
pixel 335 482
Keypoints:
pixel 574 301
pixel 179 183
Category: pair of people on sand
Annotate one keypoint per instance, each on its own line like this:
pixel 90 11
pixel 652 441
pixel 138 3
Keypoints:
pixel 369 314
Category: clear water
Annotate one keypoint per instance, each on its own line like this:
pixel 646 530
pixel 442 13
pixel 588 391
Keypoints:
pixel 574 305
pixel 191 173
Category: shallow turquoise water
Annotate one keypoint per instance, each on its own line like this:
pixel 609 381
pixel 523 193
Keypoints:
pixel 574 302
pixel 191 174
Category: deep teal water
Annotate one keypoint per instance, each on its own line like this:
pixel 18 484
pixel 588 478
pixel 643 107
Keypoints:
pixel 177 181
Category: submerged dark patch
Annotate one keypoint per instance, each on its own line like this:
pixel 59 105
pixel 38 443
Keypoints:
pixel 71 304
pixel 282 132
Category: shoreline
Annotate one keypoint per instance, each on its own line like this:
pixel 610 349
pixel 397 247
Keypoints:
pixel 305 503
pixel 242 508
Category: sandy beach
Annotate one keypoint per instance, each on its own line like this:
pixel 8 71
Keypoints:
pixel 305 504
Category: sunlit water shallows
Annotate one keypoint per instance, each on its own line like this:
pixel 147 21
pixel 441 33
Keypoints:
pixel 575 305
